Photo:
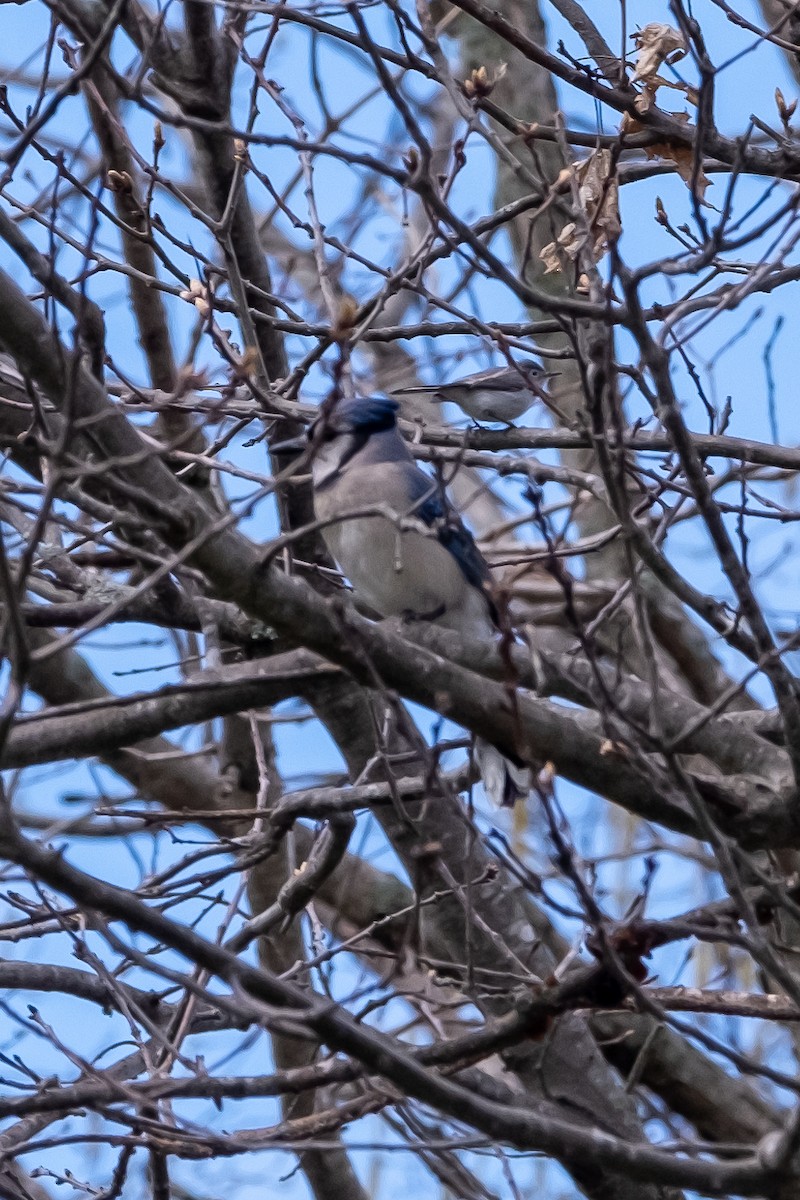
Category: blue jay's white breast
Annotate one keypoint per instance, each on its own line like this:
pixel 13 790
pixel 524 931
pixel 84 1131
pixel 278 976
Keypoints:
pixel 396 571
pixel 394 568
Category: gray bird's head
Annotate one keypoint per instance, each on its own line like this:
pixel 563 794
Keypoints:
pixel 351 427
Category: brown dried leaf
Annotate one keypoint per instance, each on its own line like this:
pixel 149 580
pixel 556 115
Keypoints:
pixel 565 244
pixel 598 192
pixel 682 156
pixel 598 196
pixel 655 44
pixel 647 98
pixel 644 100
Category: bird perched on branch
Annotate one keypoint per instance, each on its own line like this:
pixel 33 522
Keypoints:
pixel 414 559
pixel 499 394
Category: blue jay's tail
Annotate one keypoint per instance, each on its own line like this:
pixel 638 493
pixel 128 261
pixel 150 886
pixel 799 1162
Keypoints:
pixel 504 781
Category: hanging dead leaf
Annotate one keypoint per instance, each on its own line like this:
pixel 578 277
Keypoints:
pixel 598 196
pixel 647 98
pixel 565 244
pixel 682 156
pixel 655 44
pixel 598 192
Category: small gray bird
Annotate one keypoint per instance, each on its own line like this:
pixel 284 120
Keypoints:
pixel 499 394
pixel 428 566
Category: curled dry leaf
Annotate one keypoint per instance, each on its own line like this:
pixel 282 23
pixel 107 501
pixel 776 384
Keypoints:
pixel 655 44
pixel 598 196
pixel 647 98
pixel 682 156
pixel 566 243
pixel 598 192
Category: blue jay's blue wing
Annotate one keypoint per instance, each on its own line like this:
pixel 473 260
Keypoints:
pixel 455 537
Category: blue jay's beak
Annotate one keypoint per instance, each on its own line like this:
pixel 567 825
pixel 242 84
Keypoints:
pixel 296 445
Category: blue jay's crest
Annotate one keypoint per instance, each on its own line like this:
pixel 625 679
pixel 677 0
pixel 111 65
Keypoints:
pixel 362 414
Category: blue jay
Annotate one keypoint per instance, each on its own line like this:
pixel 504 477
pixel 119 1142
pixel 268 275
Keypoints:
pixel 499 394
pixel 419 560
